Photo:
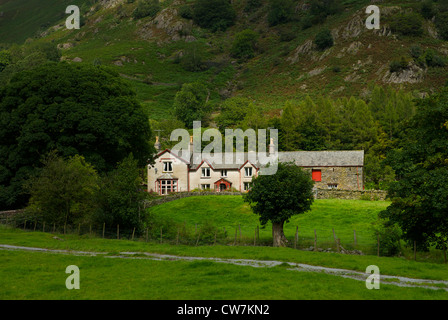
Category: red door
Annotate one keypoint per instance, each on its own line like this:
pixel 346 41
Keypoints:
pixel 316 175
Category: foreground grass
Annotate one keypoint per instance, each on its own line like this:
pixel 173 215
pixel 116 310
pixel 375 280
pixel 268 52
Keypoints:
pixel 31 275
pixel 389 266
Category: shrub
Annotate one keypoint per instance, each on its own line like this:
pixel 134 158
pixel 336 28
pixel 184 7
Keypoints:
pixel 244 44
pixel 433 60
pixel 441 23
pixel 186 12
pixel 415 51
pixel 427 9
pixel 253 5
pixel 389 237
pixel 324 40
pixel 280 11
pixel 216 15
pixel 398 65
pixel 407 24
pixel 146 8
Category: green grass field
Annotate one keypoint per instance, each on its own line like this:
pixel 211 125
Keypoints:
pixel 231 213
pixel 41 275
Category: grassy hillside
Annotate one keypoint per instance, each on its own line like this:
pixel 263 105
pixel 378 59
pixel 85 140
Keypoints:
pixel 231 213
pixel 286 64
pixel 22 19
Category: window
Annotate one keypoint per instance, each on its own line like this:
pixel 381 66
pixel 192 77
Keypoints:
pixel 167 186
pixel 223 173
pixel 248 172
pixel 332 186
pixel 206 172
pixel 167 166
pixel 247 186
pixel 205 186
pixel 316 175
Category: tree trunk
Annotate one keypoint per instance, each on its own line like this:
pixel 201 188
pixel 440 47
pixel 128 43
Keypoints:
pixel 278 235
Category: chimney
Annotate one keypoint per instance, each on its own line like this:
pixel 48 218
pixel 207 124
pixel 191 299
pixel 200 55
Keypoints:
pixel 157 145
pixel 271 147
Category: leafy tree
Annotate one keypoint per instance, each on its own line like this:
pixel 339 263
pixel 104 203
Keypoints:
pixel 278 197
pixel 216 15
pixel 419 197
pixel 233 111
pixel 243 46
pixel 191 103
pixel 441 23
pixel 75 109
pixel 5 59
pixel 121 197
pixel 324 39
pixel 64 190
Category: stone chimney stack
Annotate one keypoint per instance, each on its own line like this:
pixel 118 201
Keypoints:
pixel 271 147
pixel 157 145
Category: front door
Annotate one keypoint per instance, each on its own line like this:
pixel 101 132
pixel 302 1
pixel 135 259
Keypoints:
pixel 222 187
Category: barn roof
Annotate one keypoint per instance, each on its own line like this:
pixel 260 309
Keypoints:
pixel 323 158
pixel 300 158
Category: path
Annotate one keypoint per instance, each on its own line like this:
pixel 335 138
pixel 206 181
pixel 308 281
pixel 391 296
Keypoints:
pixel 351 274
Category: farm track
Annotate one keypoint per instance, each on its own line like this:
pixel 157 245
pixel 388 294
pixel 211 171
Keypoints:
pixel 293 266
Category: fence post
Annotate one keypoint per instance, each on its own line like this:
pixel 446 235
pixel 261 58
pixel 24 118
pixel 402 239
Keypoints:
pixel 315 240
pixel 177 237
pixel 338 243
pixel 118 231
pixel 161 234
pixel 133 232
pixel 43 228
pixel 79 228
pixel 54 227
pixel 236 232
pixel 239 227
pixel 378 242
pixel 24 226
pixel 415 250
pixel 104 228
pixel 334 236
pixel 65 227
pixel 296 238
pixel 35 225
pixel 146 234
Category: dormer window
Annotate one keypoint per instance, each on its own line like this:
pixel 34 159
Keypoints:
pixel 248 172
pixel 167 166
pixel 223 173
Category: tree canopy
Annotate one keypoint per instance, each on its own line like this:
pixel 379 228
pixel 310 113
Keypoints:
pixel 278 197
pixel 75 109
pixel 420 196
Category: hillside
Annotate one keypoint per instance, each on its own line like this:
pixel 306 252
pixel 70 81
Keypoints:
pixel 286 65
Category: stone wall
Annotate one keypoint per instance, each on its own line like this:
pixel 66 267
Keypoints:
pixel 179 195
pixel 350 194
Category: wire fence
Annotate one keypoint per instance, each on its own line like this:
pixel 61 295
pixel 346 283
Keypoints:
pixel 329 240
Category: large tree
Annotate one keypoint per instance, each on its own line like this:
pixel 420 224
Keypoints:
pixel 278 197
pixel 75 109
pixel 420 196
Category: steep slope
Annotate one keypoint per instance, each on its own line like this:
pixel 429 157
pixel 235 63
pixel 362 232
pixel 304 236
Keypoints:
pixel 153 52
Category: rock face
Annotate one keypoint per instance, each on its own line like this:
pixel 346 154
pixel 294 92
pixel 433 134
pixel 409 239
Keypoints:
pixel 168 22
pixel 413 74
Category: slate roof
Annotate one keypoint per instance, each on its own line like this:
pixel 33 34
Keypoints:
pixel 323 158
pixel 300 158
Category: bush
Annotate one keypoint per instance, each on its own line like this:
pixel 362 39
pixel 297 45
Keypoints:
pixel 216 15
pixel 407 24
pixel 389 237
pixel 186 12
pixel 146 8
pixel 324 40
pixel 280 11
pixel 398 65
pixel 441 23
pixel 253 5
pixel 244 44
pixel 427 9
pixel 433 60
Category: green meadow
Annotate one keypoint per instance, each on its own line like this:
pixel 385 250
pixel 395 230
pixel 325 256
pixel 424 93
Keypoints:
pixel 41 275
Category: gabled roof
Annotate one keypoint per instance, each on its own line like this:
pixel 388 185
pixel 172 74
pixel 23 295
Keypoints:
pixel 323 158
pixel 301 158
